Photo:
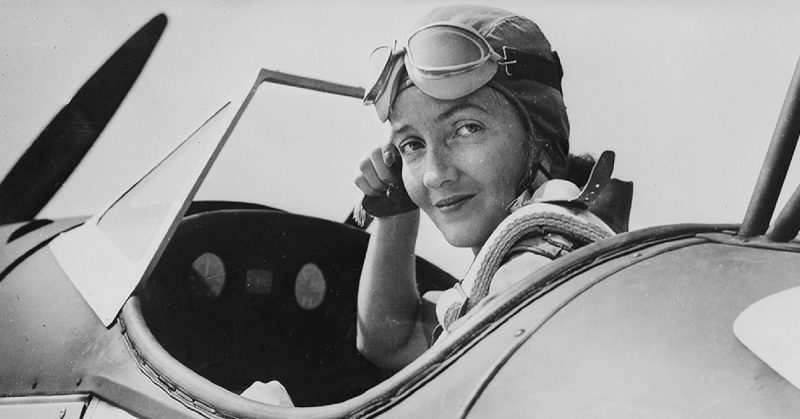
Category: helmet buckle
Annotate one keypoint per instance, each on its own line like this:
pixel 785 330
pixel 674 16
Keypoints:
pixel 507 61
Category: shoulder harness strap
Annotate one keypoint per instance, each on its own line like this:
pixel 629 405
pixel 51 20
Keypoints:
pixel 565 214
pixel 537 219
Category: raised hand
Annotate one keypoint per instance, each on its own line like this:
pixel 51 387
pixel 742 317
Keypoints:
pixel 381 182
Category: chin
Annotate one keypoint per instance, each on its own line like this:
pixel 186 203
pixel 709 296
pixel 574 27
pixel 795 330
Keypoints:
pixel 464 237
pixel 464 232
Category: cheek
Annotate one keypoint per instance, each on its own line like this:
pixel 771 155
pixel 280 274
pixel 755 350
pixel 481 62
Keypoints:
pixel 520 161
pixel 519 168
pixel 506 170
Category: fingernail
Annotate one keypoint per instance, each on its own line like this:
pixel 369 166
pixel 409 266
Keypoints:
pixel 388 158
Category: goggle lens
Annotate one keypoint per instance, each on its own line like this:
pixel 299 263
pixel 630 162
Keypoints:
pixel 443 60
pixel 441 49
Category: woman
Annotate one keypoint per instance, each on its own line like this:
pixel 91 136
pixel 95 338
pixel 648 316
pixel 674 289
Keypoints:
pixel 478 130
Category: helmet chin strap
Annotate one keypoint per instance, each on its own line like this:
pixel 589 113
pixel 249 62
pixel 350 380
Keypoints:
pixel 538 171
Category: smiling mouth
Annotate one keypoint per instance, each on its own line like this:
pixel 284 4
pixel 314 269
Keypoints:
pixel 451 204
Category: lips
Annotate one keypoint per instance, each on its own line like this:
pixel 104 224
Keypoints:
pixel 452 203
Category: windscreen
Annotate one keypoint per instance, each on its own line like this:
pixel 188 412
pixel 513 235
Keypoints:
pixel 108 256
pixel 298 150
pixel 292 149
pixel 138 220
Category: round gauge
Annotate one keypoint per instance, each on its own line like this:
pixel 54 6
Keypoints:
pixel 207 277
pixel 310 287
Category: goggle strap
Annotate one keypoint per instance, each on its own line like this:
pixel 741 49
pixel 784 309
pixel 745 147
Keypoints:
pixel 521 65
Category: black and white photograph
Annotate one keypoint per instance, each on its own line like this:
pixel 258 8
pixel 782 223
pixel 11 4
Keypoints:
pixel 394 209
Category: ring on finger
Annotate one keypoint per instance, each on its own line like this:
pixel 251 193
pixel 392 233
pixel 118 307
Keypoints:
pixel 390 190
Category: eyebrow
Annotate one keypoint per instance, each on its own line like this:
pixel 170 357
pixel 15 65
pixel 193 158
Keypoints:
pixel 399 133
pixel 463 105
pixel 449 112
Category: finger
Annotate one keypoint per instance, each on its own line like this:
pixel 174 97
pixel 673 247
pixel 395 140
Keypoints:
pixel 390 154
pixel 365 187
pixel 369 173
pixel 386 175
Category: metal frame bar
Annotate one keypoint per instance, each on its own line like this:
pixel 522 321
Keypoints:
pixel 776 163
pixel 292 80
pixel 787 224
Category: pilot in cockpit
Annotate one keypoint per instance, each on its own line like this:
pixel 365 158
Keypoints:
pixel 480 143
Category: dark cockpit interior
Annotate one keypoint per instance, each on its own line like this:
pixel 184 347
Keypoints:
pixel 246 294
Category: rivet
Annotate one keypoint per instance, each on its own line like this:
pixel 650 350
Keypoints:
pixel 519 332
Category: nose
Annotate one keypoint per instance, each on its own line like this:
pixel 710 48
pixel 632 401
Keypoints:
pixel 439 169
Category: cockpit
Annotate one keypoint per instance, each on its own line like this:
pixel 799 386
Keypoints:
pixel 238 292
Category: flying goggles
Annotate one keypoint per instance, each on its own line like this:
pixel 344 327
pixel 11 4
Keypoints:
pixel 448 61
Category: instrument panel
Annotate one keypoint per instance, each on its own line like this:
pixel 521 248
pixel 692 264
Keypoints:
pixel 246 295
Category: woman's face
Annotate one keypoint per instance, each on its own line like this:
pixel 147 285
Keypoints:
pixel 462 159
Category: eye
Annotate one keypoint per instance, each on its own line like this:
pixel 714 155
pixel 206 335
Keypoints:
pixel 410 145
pixel 468 128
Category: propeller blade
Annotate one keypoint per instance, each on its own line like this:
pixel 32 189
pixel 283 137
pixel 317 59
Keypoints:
pixel 61 146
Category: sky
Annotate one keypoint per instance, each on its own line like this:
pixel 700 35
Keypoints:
pixel 686 93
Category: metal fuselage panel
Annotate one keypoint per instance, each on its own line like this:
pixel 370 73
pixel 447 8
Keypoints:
pixel 653 340
pixel 54 344
pixel 18 241
pixel 63 407
pixel 646 334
